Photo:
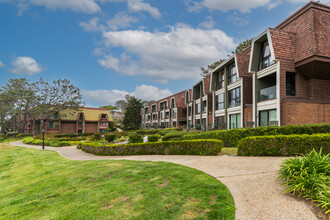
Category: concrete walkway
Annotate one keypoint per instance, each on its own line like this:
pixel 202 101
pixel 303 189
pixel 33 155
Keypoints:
pixel 251 181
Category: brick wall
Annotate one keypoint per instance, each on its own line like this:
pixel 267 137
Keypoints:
pixel 247 114
pixel 303 113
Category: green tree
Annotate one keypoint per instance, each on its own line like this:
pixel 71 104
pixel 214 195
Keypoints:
pixel 132 118
pixel 209 68
pixel 243 45
pixel 109 107
pixel 121 104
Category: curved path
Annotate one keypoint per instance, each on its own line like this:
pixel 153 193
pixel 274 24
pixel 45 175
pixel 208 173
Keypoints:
pixel 251 181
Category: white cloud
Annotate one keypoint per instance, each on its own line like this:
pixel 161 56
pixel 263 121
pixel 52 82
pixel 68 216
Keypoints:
pixel 2 64
pixel 208 23
pixel 25 66
pixel 139 5
pixel 174 55
pixel 85 6
pixel 120 20
pixel 110 97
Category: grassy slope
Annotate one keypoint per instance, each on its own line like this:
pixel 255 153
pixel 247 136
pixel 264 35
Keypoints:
pixel 42 185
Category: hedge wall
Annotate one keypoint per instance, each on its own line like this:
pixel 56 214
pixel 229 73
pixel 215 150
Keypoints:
pixel 188 147
pixel 53 143
pixel 283 145
pixel 232 136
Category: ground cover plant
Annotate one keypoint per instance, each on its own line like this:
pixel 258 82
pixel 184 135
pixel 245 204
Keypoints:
pixel 187 147
pixel 232 136
pixel 53 143
pixel 37 184
pixel 283 145
pixel 308 176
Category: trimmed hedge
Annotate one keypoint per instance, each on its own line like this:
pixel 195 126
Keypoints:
pixel 73 135
pixel 232 136
pixel 153 138
pixel 147 131
pixel 170 137
pixel 188 147
pixel 283 145
pixel 53 143
pixel 110 137
pixel 135 138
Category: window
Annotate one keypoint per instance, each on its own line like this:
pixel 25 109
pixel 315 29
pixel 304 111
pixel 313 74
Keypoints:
pixel 219 102
pixel 189 111
pixel 219 122
pixel 221 80
pixel 290 84
pixel 265 58
pixel 266 116
pixel 198 108
pixel 232 76
pixel 103 116
pixel 174 114
pixel 53 124
pixel 204 107
pixel 187 97
pixel 172 103
pixel 235 121
pixel 167 115
pixel 174 123
pixel 103 124
pixel 234 97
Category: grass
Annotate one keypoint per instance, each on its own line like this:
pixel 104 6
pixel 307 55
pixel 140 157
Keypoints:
pixel 43 185
pixel 228 151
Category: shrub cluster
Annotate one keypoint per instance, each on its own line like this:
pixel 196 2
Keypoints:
pixel 73 135
pixel 187 147
pixel 53 143
pixel 110 137
pixel 153 138
pixel 170 137
pixel 232 136
pixel 11 134
pixel 135 138
pixel 147 131
pixel 24 135
pixel 308 176
pixel 283 145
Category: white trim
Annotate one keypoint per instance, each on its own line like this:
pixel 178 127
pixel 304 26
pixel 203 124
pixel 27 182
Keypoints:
pixel 270 44
pixel 234 85
pixel 268 104
pixel 223 63
pixel 278 90
pixel 254 111
pixel 234 109
pixel 267 71
pixel 220 112
pixel 236 66
pixel 222 90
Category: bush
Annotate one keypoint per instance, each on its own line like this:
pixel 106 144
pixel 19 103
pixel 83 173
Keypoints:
pixel 97 136
pixel 71 135
pixel 110 137
pixel 53 143
pixel 189 147
pixel 24 135
pixel 153 138
pixel 232 136
pixel 11 134
pixel 283 145
pixel 135 138
pixel 172 129
pixel 147 131
pixel 309 176
pixel 170 137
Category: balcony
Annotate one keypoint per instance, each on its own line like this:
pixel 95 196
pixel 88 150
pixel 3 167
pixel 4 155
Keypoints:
pixel 267 93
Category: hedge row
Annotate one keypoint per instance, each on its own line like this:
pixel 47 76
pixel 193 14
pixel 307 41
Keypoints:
pixel 188 147
pixel 232 136
pixel 73 135
pixel 283 145
pixel 53 143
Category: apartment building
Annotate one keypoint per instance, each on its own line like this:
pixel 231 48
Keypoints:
pixel 199 105
pixel 290 65
pixel 71 121
pixel 167 112
pixel 231 86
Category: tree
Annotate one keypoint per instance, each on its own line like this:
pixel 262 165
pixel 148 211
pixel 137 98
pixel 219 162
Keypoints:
pixel 132 118
pixel 109 107
pixel 243 45
pixel 121 104
pixel 208 70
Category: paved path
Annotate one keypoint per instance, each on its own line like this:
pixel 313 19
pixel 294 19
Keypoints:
pixel 251 181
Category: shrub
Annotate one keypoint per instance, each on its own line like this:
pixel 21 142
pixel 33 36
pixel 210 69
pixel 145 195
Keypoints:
pixel 110 137
pixel 97 136
pixel 283 145
pixel 309 176
pixel 153 138
pixel 232 136
pixel 71 135
pixel 53 143
pixel 147 131
pixel 169 137
pixel 11 134
pixel 188 147
pixel 172 129
pixel 2 139
pixel 24 135
pixel 135 138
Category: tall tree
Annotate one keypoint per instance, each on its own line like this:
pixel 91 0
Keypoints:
pixel 243 45
pixel 208 70
pixel 132 118
pixel 121 104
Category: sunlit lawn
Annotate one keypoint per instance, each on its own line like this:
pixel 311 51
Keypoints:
pixel 37 184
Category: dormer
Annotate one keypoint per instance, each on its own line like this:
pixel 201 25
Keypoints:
pixel 187 97
pixel 198 90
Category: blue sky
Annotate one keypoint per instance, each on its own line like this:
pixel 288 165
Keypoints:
pixel 110 48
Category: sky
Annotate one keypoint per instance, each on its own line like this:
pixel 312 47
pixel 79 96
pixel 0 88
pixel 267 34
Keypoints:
pixel 111 48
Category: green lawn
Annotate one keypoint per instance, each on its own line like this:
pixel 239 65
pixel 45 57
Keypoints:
pixel 37 184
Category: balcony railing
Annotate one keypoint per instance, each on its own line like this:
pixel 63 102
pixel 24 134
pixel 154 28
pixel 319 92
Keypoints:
pixel 267 93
